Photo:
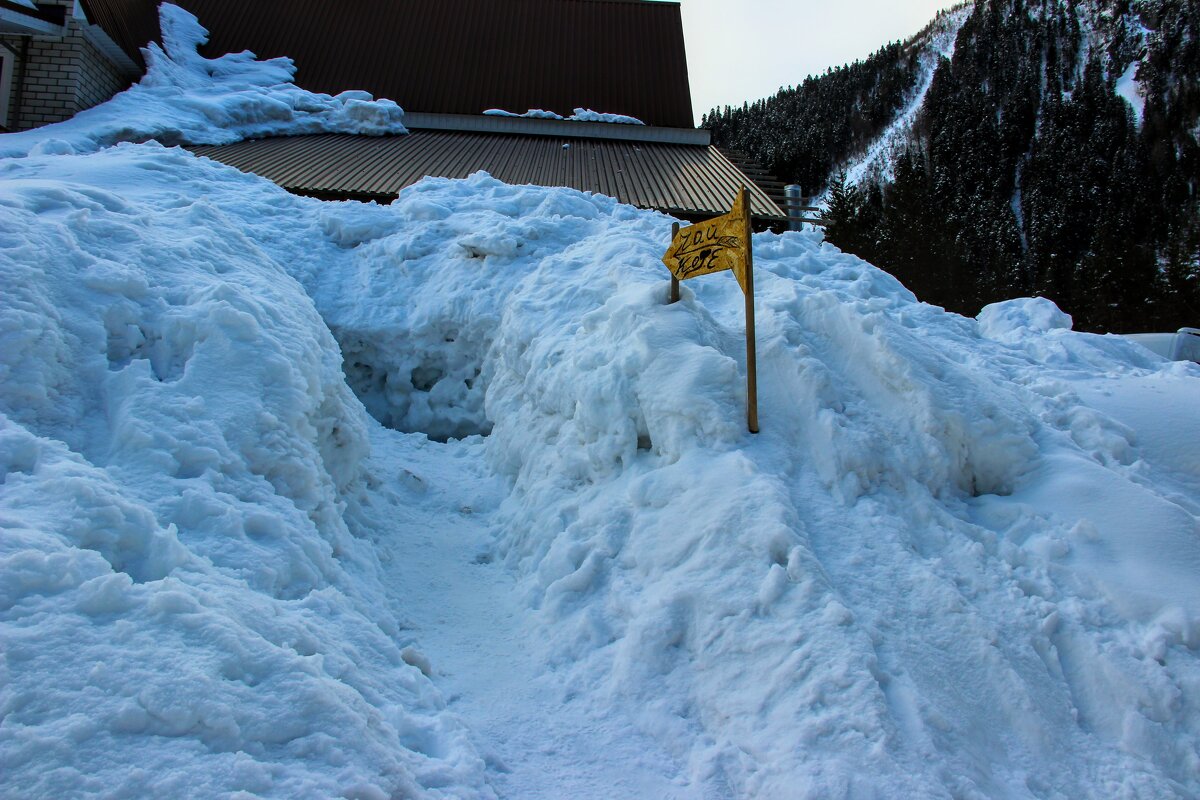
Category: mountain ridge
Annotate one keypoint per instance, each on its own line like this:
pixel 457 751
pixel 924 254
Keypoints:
pixel 980 155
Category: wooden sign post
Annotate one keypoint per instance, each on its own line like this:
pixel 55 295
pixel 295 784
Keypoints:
pixel 719 244
pixel 747 285
pixel 674 281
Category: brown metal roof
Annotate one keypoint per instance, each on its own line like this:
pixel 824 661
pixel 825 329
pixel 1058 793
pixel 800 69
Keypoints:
pixel 685 180
pixel 452 56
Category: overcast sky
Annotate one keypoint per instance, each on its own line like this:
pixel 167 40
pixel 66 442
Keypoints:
pixel 746 49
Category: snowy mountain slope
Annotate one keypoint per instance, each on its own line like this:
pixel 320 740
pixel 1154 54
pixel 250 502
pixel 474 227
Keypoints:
pixel 1102 26
pixel 1014 148
pixel 876 161
pixel 957 562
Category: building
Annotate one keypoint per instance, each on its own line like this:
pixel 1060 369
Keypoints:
pixel 446 62
pixel 54 63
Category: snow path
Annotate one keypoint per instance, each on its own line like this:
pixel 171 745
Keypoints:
pixel 470 622
pixel 915 614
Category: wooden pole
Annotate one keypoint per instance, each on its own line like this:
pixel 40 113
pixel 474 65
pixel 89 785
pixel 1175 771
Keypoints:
pixel 751 357
pixel 674 298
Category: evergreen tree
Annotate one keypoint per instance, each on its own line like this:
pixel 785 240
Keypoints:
pixel 1026 173
pixel 845 207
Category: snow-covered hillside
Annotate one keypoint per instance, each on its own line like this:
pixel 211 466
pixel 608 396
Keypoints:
pixel 959 560
pixel 876 162
pixel 1012 148
pixel 1104 27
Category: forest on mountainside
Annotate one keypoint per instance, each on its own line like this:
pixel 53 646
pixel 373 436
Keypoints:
pixel 1025 172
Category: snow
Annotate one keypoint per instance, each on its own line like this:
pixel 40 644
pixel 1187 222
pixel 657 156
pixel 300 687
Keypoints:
pixel 533 113
pixel 185 98
pixel 190 601
pixel 876 162
pixel 958 561
pixel 1015 320
pixel 580 115
pixel 587 115
pixel 1129 89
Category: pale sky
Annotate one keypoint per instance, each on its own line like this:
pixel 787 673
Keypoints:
pixel 747 49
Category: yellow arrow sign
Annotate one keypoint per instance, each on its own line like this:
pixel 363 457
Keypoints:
pixel 712 246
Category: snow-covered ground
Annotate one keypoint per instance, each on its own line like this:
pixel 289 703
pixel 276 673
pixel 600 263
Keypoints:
pixel 959 560
pixel 1131 91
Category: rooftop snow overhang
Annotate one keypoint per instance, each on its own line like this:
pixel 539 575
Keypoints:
pixel 451 56
pixel 526 126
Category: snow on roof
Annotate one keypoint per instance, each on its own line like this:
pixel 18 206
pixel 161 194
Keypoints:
pixel 185 98
pixel 580 115
pixel 454 56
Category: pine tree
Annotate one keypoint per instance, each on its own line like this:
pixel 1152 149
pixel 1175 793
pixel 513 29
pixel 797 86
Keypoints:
pixel 845 207
pixel 1026 173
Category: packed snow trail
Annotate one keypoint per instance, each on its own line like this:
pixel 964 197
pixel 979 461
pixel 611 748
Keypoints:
pixel 475 641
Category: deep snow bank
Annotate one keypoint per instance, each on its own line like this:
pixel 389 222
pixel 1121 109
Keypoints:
pixel 190 604
pixel 912 583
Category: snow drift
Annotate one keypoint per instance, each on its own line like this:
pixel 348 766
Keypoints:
pixel 958 561
pixel 190 603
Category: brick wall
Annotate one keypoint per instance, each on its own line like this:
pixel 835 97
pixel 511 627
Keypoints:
pixel 62 77
pixel 99 78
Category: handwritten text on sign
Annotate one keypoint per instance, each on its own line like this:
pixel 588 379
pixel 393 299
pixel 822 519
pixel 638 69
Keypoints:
pixel 708 247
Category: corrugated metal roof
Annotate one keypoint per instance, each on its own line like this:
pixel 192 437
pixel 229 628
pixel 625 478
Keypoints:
pixel 453 56
pixel 685 180
pixel 24 21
